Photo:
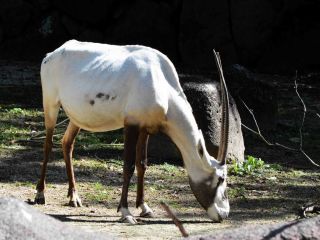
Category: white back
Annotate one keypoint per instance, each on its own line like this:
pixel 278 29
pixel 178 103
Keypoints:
pixel 100 86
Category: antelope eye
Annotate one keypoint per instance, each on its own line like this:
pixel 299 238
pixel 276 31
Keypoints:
pixel 200 150
pixel 220 180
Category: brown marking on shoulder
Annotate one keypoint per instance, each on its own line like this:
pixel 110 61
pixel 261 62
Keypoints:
pixel 113 98
pixel 91 102
pixel 100 95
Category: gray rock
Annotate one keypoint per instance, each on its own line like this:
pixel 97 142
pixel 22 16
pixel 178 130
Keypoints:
pixel 204 98
pixel 302 229
pixel 205 102
pixel 162 149
pixel 20 221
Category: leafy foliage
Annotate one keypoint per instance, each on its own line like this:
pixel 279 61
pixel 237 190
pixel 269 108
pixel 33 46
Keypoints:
pixel 251 165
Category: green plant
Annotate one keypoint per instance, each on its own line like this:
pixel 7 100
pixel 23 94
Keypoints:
pixel 17 110
pixel 249 166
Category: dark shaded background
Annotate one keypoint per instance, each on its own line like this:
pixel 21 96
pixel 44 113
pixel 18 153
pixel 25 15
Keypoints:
pixel 254 37
pixel 265 36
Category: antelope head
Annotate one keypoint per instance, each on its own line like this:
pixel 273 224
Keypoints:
pixel 209 184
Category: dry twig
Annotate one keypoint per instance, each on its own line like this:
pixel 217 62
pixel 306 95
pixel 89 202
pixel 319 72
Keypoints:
pixel 43 132
pixel 258 132
pixel 175 219
pixel 309 208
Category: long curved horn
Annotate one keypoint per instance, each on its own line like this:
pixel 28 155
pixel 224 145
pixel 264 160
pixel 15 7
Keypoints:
pixel 224 134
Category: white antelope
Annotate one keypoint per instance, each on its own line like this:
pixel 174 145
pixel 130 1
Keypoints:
pixel 105 87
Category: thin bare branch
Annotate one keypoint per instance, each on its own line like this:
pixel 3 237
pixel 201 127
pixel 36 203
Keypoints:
pixel 258 132
pixel 310 160
pixel 43 132
pixel 304 112
pixel 175 219
pixel 302 123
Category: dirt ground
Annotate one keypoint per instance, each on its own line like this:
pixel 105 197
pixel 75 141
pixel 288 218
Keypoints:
pixel 274 195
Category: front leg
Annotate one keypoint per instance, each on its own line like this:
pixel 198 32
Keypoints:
pixel 40 198
pixel 141 164
pixel 67 146
pixel 130 141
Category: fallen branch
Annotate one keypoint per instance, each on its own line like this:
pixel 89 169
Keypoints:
pixel 309 208
pixel 175 219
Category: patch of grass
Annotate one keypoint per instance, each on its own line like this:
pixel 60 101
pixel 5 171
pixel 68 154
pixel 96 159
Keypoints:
pixel 99 193
pixel 166 167
pixel 18 125
pixel 25 184
pixel 98 165
pixel 89 164
pixel 89 141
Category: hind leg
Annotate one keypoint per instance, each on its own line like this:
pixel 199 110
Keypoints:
pixel 50 114
pixel 141 165
pixel 67 146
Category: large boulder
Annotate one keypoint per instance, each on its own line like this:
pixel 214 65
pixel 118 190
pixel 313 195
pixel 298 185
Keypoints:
pixel 205 101
pixel 301 229
pixel 20 221
pixel 203 95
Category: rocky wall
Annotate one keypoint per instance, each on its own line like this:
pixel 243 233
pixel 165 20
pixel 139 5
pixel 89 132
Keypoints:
pixel 265 35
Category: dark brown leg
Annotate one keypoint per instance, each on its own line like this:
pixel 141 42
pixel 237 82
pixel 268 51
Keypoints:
pixel 141 164
pixel 131 134
pixel 40 199
pixel 67 147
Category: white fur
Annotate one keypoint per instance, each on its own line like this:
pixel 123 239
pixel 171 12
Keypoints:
pixel 220 208
pixel 142 88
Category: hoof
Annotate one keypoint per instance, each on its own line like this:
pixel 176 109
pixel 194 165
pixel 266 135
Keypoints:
pixel 146 211
pixel 129 219
pixel 40 199
pixel 147 214
pixel 75 203
pixel 75 200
